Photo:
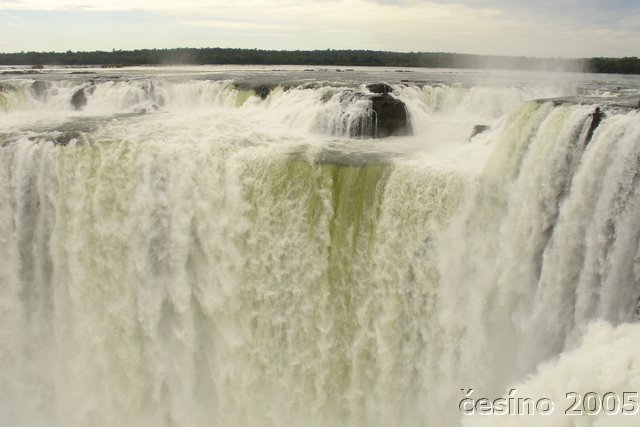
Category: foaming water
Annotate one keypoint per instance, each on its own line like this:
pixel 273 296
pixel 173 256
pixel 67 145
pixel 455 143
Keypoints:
pixel 228 260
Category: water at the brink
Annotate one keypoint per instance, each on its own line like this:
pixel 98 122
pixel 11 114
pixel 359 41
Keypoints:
pixel 183 253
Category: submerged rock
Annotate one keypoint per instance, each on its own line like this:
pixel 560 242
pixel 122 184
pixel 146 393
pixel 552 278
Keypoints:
pixel 263 91
pixel 40 88
pixel 156 97
pixel 381 88
pixel 596 118
pixel 375 116
pixel 478 129
pixel 390 116
pixel 65 138
pixel 79 99
pixel 81 96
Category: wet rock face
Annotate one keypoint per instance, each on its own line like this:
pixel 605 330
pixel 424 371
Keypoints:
pixel 380 88
pixel 478 129
pixel 65 138
pixel 596 117
pixel 81 96
pixel 262 91
pixel 40 89
pixel 390 116
pixel 365 115
pixel 79 99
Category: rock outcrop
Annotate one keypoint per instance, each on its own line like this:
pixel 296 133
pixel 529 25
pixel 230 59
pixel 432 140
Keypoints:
pixel 380 88
pixel 65 138
pixel 79 99
pixel 262 91
pixel 390 116
pixel 81 96
pixel 478 129
pixel 40 89
pixel 596 118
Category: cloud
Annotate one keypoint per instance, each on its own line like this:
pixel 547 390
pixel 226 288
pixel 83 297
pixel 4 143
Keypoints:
pixel 580 11
pixel 65 5
pixel 586 12
pixel 541 28
pixel 574 12
pixel 234 25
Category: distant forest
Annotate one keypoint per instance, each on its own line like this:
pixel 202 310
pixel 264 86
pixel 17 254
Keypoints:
pixel 628 65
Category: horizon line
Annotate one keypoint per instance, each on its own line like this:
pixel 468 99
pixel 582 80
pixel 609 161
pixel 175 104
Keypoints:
pixel 114 50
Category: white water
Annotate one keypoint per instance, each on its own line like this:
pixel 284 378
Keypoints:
pixel 218 263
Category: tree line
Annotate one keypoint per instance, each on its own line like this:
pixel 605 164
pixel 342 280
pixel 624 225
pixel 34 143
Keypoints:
pixel 226 56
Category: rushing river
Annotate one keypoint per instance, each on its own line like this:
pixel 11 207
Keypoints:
pixel 179 251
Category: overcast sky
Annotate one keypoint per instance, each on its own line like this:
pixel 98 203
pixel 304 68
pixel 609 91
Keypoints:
pixel 567 28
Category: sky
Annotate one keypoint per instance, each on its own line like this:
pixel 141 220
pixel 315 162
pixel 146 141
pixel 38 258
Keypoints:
pixel 542 28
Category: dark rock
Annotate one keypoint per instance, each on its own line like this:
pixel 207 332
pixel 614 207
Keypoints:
pixel 596 118
pixel 374 116
pixel 40 88
pixel 156 97
pixel 263 91
pixel 79 99
pixel 390 116
pixel 381 88
pixel 91 88
pixel 326 96
pixel 310 85
pixel 478 129
pixel 67 137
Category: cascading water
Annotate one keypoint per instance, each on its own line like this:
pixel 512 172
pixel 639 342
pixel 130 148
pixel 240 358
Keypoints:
pixel 225 260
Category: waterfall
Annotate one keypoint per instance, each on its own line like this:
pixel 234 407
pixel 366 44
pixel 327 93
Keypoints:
pixel 212 264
